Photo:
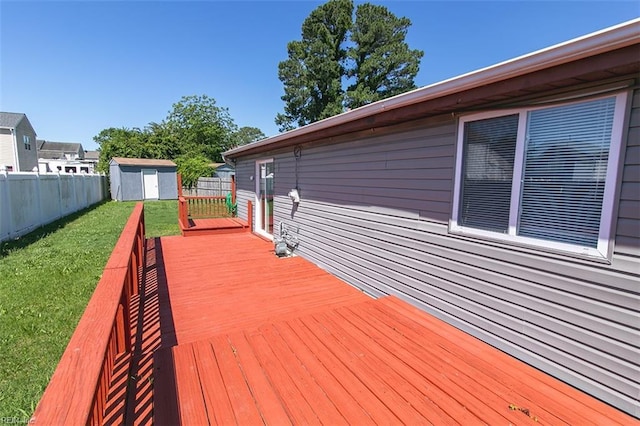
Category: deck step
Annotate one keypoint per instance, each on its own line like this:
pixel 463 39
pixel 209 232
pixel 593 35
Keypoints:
pixel 214 226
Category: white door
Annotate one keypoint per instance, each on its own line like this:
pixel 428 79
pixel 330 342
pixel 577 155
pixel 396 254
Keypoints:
pixel 150 184
pixel 264 198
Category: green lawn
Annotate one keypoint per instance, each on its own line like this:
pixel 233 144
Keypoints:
pixel 161 218
pixel 46 280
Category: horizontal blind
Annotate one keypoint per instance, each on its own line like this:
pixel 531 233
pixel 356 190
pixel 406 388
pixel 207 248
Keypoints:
pixel 567 150
pixel 489 150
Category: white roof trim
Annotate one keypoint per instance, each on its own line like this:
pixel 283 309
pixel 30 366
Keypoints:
pixel 612 38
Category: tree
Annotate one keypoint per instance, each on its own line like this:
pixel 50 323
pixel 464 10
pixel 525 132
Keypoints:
pixel 119 142
pixel 197 126
pixel 194 134
pixel 378 58
pixel 384 64
pixel 246 135
pixel 191 167
pixel 312 75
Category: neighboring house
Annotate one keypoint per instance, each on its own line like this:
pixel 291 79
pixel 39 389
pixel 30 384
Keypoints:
pixel 143 179
pixel 60 150
pixel 505 201
pixel 224 171
pixel 17 143
pixel 65 157
pixel 92 156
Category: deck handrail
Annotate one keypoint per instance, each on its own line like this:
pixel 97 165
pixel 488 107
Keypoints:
pixel 203 207
pixel 78 390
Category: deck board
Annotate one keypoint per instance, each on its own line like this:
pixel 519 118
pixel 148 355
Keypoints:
pixel 232 281
pixel 236 335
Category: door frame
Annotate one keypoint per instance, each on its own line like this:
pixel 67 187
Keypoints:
pixel 258 219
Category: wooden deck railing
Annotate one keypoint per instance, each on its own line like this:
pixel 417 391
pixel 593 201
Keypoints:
pixel 78 390
pixel 203 208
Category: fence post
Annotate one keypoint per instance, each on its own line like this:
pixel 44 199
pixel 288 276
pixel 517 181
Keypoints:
pixel 41 217
pixel 5 211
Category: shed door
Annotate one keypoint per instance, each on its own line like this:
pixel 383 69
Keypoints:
pixel 150 184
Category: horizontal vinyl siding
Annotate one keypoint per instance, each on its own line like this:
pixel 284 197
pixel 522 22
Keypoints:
pixel 375 212
pixel 7 151
pixel 403 178
pixel 27 158
pixel 628 229
pixel 245 187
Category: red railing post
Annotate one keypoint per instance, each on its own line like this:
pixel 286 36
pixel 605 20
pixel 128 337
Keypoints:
pixel 179 185
pixel 250 215
pixel 182 212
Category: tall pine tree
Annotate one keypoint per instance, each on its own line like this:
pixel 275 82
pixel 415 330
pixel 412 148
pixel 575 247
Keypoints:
pixel 312 75
pixel 384 64
pixel 379 62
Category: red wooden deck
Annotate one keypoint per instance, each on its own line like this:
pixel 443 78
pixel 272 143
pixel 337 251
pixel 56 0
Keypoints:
pixel 222 225
pixel 232 334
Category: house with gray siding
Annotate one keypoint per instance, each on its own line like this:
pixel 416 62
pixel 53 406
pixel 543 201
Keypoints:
pixel 505 201
pixel 18 151
pixel 142 179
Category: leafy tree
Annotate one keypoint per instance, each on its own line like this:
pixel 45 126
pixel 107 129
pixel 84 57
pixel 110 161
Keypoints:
pixel 246 135
pixel 197 126
pixel 160 143
pixel 384 64
pixel 194 134
pixel 191 167
pixel 378 58
pixel 119 142
pixel 312 75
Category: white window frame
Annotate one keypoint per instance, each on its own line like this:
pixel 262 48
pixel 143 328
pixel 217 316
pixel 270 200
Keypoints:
pixel 604 246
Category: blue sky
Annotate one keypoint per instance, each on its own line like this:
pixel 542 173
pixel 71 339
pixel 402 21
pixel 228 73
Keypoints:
pixel 77 67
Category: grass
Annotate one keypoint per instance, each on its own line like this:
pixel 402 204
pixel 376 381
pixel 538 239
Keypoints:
pixel 48 277
pixel 161 218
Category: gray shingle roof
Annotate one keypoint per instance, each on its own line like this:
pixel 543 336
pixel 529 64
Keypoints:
pixel 57 150
pixel 10 119
pixel 59 146
pixel 91 155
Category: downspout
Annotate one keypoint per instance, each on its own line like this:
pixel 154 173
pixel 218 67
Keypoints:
pixel 16 160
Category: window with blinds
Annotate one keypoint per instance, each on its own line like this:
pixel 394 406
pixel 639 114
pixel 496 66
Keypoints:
pixel 541 176
pixel 489 150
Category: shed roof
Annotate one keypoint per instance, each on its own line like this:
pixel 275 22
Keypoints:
pixel 142 162
pixel 609 53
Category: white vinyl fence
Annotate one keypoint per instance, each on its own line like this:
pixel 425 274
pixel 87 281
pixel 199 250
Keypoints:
pixel 30 200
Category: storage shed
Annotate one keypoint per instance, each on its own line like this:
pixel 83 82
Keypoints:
pixel 143 179
pixel 504 202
